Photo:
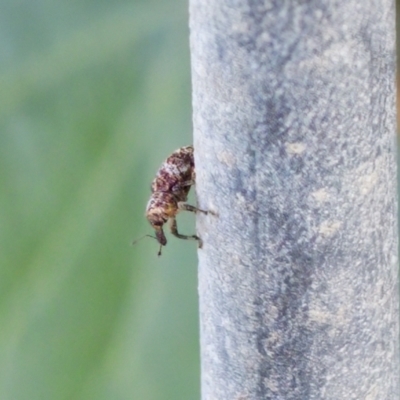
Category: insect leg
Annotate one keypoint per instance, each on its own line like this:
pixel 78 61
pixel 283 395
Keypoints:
pixel 184 206
pixel 174 231
pixel 187 183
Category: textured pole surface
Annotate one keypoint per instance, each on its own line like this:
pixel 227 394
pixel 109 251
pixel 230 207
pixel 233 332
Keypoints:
pixel 294 135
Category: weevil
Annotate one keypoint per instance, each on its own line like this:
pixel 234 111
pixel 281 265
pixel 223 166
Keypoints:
pixel 169 192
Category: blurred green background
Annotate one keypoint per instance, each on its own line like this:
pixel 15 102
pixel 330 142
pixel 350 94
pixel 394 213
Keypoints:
pixel 94 95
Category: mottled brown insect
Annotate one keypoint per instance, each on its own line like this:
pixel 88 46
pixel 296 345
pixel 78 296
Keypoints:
pixel 170 189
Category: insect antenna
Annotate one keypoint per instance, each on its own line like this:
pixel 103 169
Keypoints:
pixel 138 240
pixel 153 237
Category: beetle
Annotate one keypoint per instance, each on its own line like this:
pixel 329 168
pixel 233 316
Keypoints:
pixel 169 192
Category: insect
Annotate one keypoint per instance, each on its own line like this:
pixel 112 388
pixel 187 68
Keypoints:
pixel 170 189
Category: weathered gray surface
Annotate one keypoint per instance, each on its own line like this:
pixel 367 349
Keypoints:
pixel 294 123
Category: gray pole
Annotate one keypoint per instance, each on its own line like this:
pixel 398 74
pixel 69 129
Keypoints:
pixel 294 135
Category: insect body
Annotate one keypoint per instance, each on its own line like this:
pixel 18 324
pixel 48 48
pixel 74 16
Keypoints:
pixel 170 189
